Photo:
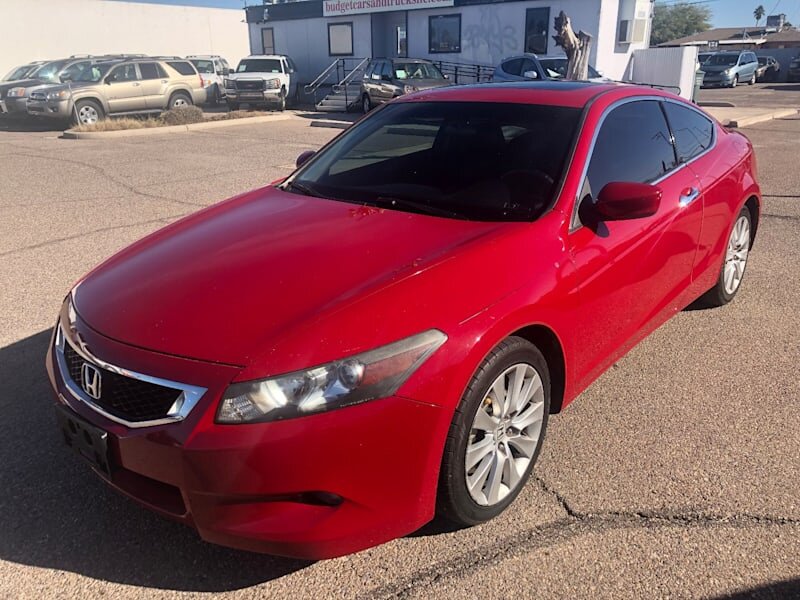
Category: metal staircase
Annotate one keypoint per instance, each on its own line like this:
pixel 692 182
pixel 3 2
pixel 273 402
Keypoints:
pixel 339 85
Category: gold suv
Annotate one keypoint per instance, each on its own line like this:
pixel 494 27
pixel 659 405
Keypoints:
pixel 120 87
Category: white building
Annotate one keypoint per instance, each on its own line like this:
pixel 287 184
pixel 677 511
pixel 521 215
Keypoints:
pixel 53 29
pixel 317 32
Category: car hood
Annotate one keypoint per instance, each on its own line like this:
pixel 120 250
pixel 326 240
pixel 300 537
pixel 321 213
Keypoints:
pixel 7 85
pixel 224 283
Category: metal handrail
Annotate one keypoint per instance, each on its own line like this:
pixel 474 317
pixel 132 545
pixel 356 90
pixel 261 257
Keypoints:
pixel 348 78
pixel 314 85
pixel 472 73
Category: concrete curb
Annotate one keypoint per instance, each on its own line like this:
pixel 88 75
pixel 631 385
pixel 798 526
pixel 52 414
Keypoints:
pixel 71 134
pixel 777 114
pixel 331 124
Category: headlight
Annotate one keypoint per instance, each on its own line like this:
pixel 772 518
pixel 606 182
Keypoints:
pixel 407 89
pixel 16 92
pixel 353 380
pixel 272 84
pixel 227 83
pixel 62 95
pixel 726 72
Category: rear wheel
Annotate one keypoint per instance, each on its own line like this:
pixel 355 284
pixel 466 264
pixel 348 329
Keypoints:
pixel 736 255
pixel 180 100
pixel 87 112
pixel 496 434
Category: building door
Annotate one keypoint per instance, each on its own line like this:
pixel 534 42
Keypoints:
pixel 390 34
pixel 268 40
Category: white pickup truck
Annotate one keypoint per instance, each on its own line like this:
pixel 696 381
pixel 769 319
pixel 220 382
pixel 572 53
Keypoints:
pixel 262 80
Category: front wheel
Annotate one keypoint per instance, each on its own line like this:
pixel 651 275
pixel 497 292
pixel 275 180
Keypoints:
pixel 735 81
pixel 736 255
pixel 87 112
pixel 496 434
pixel 752 80
pixel 282 100
pixel 366 104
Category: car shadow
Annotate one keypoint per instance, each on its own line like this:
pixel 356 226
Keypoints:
pixel 19 124
pixel 777 590
pixel 785 87
pixel 55 513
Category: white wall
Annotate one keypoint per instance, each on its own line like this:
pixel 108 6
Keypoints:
pixel 675 67
pixel 51 29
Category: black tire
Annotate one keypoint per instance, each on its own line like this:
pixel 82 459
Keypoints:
pixel 282 100
pixel 454 502
pixel 735 81
pixel 752 80
pixel 82 107
pixel 179 99
pixel 233 105
pixel 718 295
pixel 366 104
pixel 215 95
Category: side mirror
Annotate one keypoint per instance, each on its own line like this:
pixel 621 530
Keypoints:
pixel 303 158
pixel 621 201
pixel 530 75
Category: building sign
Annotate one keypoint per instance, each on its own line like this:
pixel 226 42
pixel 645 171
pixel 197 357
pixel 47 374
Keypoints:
pixel 335 8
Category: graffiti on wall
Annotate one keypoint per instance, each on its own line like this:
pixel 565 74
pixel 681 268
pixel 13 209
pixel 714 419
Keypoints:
pixel 489 39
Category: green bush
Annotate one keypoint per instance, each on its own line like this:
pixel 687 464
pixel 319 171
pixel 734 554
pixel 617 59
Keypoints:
pixel 182 116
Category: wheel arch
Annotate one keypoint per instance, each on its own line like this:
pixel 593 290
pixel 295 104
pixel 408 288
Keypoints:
pixel 548 343
pixel 753 204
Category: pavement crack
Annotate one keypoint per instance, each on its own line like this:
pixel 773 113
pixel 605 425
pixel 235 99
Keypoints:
pixel 559 498
pixel 167 219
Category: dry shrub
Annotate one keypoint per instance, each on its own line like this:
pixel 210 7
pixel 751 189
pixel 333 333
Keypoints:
pixel 184 115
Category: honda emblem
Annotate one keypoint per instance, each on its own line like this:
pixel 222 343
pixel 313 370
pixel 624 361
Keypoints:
pixel 91 380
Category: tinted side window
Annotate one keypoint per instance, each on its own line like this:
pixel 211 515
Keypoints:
pixel 693 132
pixel 513 66
pixel 633 145
pixel 148 70
pixel 386 69
pixel 529 66
pixel 183 67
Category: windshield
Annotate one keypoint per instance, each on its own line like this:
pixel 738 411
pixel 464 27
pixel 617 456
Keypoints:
pixel 470 160
pixel 416 70
pixel 723 60
pixel 94 73
pixel 762 60
pixel 259 65
pixel 49 71
pixel 204 66
pixel 17 73
pixel 556 68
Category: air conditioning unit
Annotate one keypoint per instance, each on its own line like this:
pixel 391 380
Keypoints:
pixel 632 31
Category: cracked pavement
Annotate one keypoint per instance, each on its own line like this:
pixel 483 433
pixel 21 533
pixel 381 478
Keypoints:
pixel 675 475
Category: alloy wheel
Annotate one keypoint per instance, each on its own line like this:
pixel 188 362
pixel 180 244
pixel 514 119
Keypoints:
pixel 88 115
pixel 736 255
pixel 179 102
pixel 504 434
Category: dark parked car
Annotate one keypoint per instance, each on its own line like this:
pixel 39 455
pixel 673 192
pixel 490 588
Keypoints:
pixel 325 363
pixel 794 70
pixel 768 68
pixel 387 78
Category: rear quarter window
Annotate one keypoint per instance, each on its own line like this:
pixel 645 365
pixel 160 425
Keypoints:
pixel 693 132
pixel 183 67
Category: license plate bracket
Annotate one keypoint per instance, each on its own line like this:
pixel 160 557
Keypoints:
pixel 88 441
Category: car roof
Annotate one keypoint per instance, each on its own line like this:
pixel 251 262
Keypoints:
pixel 573 94
pixel 276 56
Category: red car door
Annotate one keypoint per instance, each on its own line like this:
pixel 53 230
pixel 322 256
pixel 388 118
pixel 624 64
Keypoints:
pixel 631 273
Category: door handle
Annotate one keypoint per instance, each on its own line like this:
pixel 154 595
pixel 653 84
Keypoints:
pixel 136 84
pixel 688 196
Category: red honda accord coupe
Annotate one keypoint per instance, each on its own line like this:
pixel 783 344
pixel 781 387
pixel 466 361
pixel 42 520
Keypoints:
pixel 327 362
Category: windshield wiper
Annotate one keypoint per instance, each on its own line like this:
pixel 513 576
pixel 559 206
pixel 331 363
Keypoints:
pixel 300 187
pixel 419 206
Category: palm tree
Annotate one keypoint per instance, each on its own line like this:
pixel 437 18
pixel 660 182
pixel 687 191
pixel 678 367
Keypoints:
pixel 759 13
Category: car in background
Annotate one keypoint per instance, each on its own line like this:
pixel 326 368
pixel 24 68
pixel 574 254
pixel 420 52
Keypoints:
pixel 730 68
pixel 793 74
pixel 120 87
pixel 702 57
pixel 382 336
pixel 14 95
pixel 22 71
pixel 768 68
pixel 266 80
pixel 387 78
pixel 213 69
pixel 527 67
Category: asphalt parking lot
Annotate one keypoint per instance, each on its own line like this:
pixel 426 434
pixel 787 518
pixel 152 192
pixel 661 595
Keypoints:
pixel 674 475
pixel 773 95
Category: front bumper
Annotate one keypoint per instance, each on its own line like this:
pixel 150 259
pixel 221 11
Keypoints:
pixel 254 97
pixel 717 80
pixel 57 109
pixel 13 106
pixel 314 487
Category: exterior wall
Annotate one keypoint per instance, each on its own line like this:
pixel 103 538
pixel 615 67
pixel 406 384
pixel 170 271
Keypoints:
pixel 49 29
pixel 306 41
pixel 674 67
pixel 489 33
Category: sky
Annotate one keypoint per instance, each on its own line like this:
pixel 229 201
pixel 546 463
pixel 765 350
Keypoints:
pixel 725 13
